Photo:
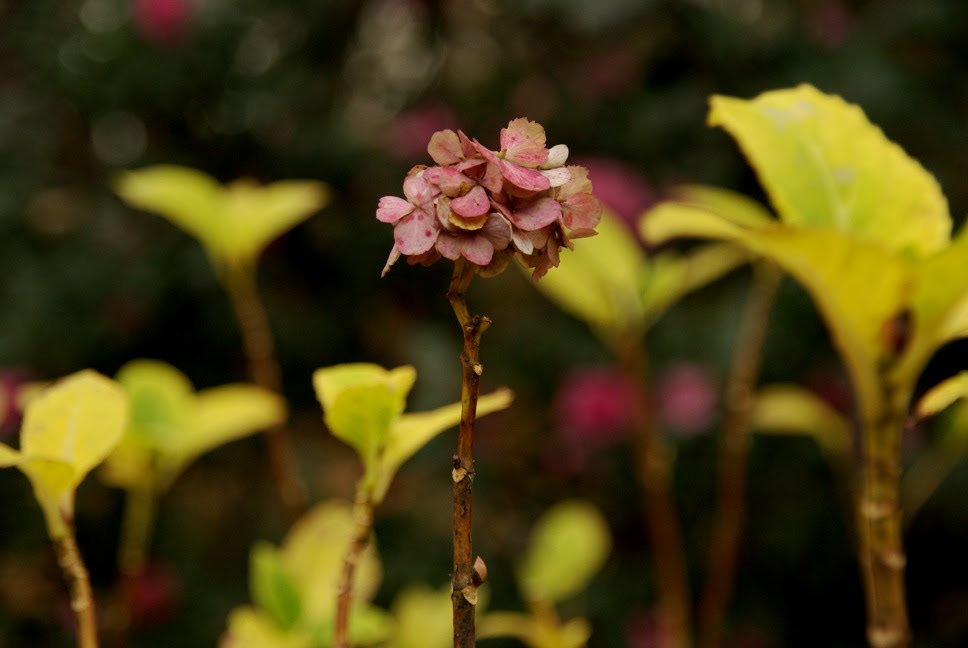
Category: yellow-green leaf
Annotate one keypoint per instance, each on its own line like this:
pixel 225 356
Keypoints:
pixel 600 281
pixel 539 630
pixel 313 556
pixel 271 586
pixel 162 399
pixel 250 627
pixel 789 409
pixel 8 456
pixel 569 544
pixel 424 618
pixel 858 287
pixel 411 432
pixel 942 395
pixel 824 164
pixel 234 222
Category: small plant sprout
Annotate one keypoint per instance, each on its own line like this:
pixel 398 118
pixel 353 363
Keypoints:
pixel 294 587
pixel 363 406
pixel 612 285
pixel 866 230
pixel 170 426
pixel 569 545
pixel 68 429
pixel 235 223
pixel 479 208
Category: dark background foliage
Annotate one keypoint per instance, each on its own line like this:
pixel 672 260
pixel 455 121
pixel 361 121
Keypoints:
pixel 349 92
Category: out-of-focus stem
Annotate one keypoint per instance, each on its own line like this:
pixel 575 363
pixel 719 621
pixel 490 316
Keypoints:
pixel 139 516
pixel 654 473
pixel 731 492
pixel 363 516
pixel 463 584
pixel 879 529
pixel 82 601
pixel 265 372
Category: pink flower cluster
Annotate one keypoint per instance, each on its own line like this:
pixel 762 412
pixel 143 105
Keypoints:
pixel 487 206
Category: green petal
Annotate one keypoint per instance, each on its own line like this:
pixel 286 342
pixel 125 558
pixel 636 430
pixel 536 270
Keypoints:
pixel 824 164
pixel 569 544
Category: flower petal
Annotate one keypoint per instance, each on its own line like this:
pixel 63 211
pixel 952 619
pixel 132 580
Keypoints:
pixel 522 241
pixel 523 143
pixel 394 255
pixel 474 204
pixel 418 190
pixel 477 249
pixel 497 230
pixel 391 209
pixel 557 156
pixel 445 147
pixel 581 211
pixel 415 233
pixel 471 224
pixel 527 179
pixel 450 180
pixel 538 214
pixel 579 183
pixel 557 177
pixel 449 245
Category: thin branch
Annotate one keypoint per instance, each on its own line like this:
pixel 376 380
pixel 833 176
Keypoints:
pixel 82 601
pixel 464 584
pixel 654 472
pixel 363 515
pixel 265 372
pixel 731 491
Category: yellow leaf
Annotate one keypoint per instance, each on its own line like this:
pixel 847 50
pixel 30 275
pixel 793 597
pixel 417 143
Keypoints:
pixel 858 287
pixel 789 409
pixel 250 627
pixel 313 556
pixel 75 423
pixel 413 431
pixel 424 618
pixel 942 395
pixel 824 164
pixel 8 456
pixel 600 281
pixel 235 222
pixel 569 544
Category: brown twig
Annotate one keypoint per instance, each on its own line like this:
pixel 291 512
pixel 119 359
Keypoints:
pixel 463 583
pixel 265 372
pixel 82 601
pixel 653 468
pixel 879 527
pixel 731 490
pixel 363 514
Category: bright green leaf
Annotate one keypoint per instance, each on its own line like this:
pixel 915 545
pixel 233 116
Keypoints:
pixel 858 287
pixel 361 416
pixel 569 544
pixel 234 222
pixel 824 164
pixel 271 586
pixel 313 556
pixel 599 282
pixel 413 431
pixel 789 409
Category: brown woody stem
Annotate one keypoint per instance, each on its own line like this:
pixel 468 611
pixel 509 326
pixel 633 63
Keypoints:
pixel 463 585
pixel 654 473
pixel 363 515
pixel 264 371
pixel 731 491
pixel 82 601
pixel 879 529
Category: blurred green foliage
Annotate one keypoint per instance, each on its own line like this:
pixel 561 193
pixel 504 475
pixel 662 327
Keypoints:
pixel 348 93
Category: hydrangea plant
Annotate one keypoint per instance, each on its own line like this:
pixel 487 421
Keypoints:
pixel 479 208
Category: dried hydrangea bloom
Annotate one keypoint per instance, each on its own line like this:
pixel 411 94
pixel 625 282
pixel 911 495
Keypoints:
pixel 488 206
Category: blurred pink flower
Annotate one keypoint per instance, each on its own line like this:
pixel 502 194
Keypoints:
pixel 687 396
pixel 10 413
pixel 162 22
pixel 407 136
pixel 595 408
pixel 620 187
pixel 151 596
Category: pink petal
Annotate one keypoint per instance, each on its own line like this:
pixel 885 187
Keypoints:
pixel 581 211
pixel 449 245
pixel 523 142
pixel 391 209
pixel 498 231
pixel 445 147
pixel 557 156
pixel 477 249
pixel 538 214
pixel 418 190
pixel 557 177
pixel 415 234
pixel 522 241
pixel 474 204
pixel 579 183
pixel 539 238
pixel 527 179
pixel 467 146
pixel 450 180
